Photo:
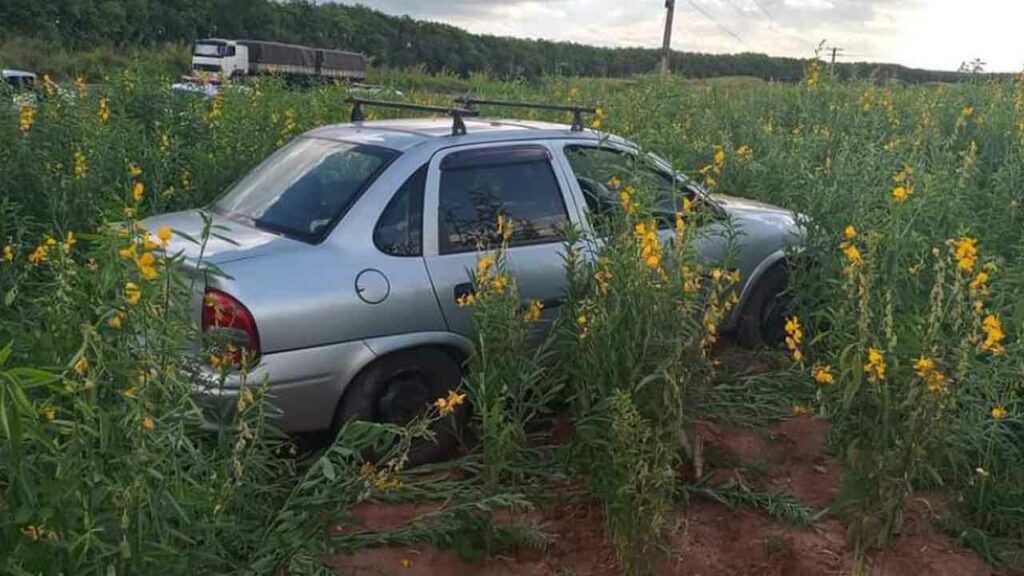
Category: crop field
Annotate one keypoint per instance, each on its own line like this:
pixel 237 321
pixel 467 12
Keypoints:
pixel 630 442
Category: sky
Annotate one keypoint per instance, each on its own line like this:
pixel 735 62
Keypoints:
pixel 934 34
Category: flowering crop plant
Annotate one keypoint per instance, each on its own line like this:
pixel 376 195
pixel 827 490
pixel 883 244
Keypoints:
pixel 902 326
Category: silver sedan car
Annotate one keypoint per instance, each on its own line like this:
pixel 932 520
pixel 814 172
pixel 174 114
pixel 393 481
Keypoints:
pixel 351 244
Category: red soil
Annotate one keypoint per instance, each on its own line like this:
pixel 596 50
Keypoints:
pixel 707 539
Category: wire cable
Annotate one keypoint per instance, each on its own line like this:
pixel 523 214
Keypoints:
pixel 717 23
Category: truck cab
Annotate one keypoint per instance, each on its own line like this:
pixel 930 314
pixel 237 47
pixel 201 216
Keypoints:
pixel 220 58
pixel 19 80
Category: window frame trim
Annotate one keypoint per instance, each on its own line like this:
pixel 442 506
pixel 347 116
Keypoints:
pixel 425 167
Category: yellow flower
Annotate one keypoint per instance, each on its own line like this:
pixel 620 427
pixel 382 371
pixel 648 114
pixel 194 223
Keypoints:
pixel 455 399
pixel 853 255
pixel 745 153
pixel 719 157
pixel 147 259
pixel 998 412
pixel 614 183
pixel 49 413
pixel 138 191
pixel 27 117
pixel 442 405
pixel 980 281
pixel 133 170
pixel 132 293
pixel 116 319
pixel 128 252
pixel 900 193
pixel 405 563
pixel 129 212
pixel 82 365
pixel 924 365
pixel 850 232
pixel 966 252
pixel 164 234
pixel 533 311
pixel 465 300
pixel 499 282
pixel 794 336
pixel 993 329
pixel 147 424
pixel 81 166
pixel 626 199
pixel 875 366
pixel 104 110
pixel 70 241
pixel 149 272
pixel 801 410
pixel 484 265
pixel 935 380
pixel 823 375
pixel 8 255
pixel 39 255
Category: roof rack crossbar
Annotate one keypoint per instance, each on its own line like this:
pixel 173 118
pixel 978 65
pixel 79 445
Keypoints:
pixel 457 114
pixel 577 110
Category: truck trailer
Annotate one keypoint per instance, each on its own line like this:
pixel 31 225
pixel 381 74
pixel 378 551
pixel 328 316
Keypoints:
pixel 223 59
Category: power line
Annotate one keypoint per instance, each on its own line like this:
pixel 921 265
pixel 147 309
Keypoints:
pixel 765 10
pixel 717 23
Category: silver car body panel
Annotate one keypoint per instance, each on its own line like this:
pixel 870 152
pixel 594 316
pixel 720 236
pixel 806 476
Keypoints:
pixel 316 331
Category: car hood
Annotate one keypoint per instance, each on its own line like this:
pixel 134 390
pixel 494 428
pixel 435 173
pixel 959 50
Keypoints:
pixel 760 214
pixel 229 241
pixel 736 203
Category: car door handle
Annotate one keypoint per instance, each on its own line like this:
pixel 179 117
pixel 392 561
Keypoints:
pixel 463 290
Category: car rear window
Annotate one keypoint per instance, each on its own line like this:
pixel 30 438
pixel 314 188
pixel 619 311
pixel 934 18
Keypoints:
pixel 303 189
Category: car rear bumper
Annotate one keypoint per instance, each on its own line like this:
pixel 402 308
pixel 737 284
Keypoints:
pixel 304 386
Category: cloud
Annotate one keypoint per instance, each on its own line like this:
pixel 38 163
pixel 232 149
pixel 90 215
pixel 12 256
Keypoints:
pixel 928 33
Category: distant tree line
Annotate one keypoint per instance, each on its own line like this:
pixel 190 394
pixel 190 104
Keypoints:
pixel 395 41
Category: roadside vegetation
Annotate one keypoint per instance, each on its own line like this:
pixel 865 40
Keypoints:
pixel 902 333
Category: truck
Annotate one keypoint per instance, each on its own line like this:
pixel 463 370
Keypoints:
pixel 231 59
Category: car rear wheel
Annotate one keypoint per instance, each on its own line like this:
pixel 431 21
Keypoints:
pixel 399 388
pixel 764 315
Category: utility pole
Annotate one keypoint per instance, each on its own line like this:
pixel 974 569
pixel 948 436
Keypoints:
pixel 666 46
pixel 835 52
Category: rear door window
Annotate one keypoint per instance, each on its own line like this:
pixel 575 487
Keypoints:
pixel 515 182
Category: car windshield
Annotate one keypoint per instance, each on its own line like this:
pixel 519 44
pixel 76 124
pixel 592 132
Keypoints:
pixel 210 49
pixel 303 189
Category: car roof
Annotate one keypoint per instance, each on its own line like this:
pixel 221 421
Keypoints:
pixel 9 73
pixel 404 134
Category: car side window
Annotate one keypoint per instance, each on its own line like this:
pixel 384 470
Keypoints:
pixel 399 231
pixel 516 182
pixel 600 171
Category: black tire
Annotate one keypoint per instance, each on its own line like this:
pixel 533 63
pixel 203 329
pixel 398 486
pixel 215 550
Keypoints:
pixel 400 387
pixel 764 315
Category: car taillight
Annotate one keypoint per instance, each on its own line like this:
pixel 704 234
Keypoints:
pixel 231 327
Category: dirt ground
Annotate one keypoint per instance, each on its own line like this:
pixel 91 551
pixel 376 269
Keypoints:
pixel 707 538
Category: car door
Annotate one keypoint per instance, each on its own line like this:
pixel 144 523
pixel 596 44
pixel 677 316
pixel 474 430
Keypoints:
pixel 467 188
pixel 595 170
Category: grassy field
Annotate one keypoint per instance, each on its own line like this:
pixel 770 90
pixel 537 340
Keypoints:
pixel 903 333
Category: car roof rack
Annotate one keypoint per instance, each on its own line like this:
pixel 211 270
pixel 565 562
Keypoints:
pixel 458 126
pixel 577 110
